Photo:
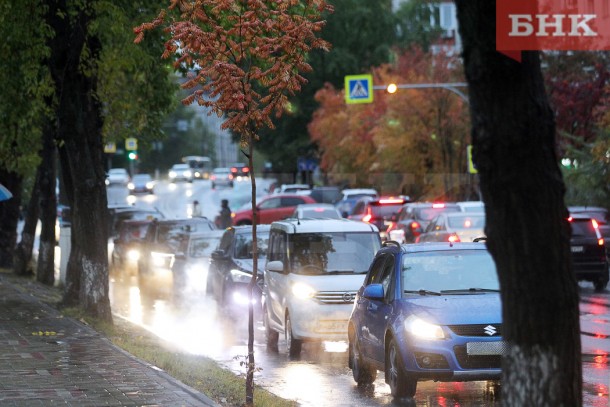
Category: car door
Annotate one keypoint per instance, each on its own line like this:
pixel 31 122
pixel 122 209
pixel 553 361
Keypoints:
pixel 379 310
pixel 276 282
pixel 372 311
pixel 267 210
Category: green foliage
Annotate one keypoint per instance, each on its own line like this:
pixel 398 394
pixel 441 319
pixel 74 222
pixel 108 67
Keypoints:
pixel 587 176
pixel 135 86
pixel 25 83
pixel 414 28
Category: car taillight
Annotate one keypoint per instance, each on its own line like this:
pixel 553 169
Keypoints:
pixel 391 227
pixel 245 169
pixel 230 176
pixel 414 225
pixel 368 216
pixel 595 224
pixel 438 205
pixel 233 169
pixel 212 177
pixel 600 241
pixel 453 238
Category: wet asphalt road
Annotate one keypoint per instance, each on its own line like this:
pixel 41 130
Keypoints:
pixel 321 376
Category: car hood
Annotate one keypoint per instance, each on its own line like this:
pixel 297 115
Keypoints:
pixel 331 282
pixel 456 309
pixel 247 265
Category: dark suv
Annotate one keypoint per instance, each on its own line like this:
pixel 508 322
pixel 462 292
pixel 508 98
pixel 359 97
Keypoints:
pixel 158 248
pixel 231 269
pixel 589 257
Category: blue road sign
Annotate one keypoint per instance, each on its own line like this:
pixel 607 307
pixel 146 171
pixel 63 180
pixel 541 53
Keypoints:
pixel 358 89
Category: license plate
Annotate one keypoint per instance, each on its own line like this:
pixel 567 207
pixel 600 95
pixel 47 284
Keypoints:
pixel 578 249
pixel 332 326
pixel 486 348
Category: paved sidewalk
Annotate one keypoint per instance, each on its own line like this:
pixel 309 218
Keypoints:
pixel 46 359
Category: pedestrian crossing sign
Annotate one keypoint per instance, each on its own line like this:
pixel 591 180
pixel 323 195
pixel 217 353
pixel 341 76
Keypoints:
pixel 358 89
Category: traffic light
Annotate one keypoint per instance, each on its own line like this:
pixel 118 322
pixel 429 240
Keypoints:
pixel 133 155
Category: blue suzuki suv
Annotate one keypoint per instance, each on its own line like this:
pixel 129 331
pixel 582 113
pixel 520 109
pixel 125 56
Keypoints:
pixel 427 311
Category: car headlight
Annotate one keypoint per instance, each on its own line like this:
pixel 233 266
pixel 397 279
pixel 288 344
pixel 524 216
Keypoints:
pixel 239 276
pixel 423 329
pixel 172 174
pixel 303 291
pixel 187 174
pixel 150 185
pixel 133 254
pixel 130 185
pixel 241 298
pixel 107 181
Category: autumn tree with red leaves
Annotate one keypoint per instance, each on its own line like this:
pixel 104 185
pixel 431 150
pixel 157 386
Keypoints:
pixel 419 136
pixel 245 58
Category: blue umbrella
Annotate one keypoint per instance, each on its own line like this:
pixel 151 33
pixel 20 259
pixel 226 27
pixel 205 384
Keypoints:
pixel 5 193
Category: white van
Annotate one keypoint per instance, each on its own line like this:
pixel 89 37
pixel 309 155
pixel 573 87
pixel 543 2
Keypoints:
pixel 314 269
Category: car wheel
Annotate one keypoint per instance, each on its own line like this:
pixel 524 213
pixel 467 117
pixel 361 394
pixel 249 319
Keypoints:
pixel 272 334
pixel 401 385
pixel 363 373
pixel 293 344
pixel 244 223
pixel 600 285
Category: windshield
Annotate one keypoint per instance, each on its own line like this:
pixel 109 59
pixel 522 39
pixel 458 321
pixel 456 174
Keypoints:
pixel 431 213
pixel 203 246
pixel 332 253
pixel 448 270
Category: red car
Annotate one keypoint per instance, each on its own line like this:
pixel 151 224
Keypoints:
pixel 271 208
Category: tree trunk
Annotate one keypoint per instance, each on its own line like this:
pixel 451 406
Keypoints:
pixel 23 251
pixel 45 272
pixel 74 54
pixel 9 217
pixel 528 233
pixel 251 366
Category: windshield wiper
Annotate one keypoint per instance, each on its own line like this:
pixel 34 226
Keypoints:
pixel 345 271
pixel 422 292
pixel 472 290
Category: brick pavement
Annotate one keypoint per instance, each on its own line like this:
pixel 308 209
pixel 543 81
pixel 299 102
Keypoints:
pixel 46 359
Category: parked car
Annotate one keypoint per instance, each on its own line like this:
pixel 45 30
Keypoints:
pixel 231 269
pixel 117 176
pixel 222 176
pixel 180 172
pixel 143 183
pixel 191 263
pixel 589 254
pixel 316 211
pixel 350 196
pixel 271 208
pixel 313 270
pixel 291 188
pixel 126 248
pixel 240 171
pixel 157 251
pixel 413 218
pixel 427 312
pixel 378 211
pixel 454 227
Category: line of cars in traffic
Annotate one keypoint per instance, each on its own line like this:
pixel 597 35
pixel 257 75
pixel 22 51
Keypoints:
pixel 418 300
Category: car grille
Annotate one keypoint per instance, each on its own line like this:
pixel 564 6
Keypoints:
pixel 476 362
pixel 336 297
pixel 477 330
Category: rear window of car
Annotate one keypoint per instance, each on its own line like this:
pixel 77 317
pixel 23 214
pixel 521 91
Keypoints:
pixel 466 222
pixel 203 246
pixel 320 212
pixel 431 213
pixel 582 228
pixel 384 210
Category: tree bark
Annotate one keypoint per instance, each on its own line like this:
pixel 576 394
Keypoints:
pixel 513 133
pixel 75 51
pixel 45 272
pixel 9 217
pixel 23 251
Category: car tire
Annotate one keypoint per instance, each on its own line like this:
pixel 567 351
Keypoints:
pixel 271 334
pixel 294 345
pixel 363 373
pixel 401 384
pixel 244 223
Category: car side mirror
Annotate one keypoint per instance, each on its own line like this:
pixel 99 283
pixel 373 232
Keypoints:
pixel 373 292
pixel 219 255
pixel 275 266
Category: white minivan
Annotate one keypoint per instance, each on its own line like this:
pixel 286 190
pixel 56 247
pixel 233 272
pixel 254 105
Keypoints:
pixel 314 269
